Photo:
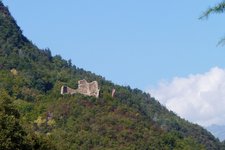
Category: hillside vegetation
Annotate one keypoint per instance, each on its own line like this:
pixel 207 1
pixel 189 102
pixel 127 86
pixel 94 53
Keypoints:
pixel 33 114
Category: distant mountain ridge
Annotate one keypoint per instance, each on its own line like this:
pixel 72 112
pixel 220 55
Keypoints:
pixel 131 119
pixel 218 131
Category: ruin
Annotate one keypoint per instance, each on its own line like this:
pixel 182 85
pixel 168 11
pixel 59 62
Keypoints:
pixel 67 90
pixel 113 92
pixel 85 88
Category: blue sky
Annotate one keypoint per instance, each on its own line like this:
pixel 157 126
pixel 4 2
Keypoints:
pixel 133 42
pixel 130 42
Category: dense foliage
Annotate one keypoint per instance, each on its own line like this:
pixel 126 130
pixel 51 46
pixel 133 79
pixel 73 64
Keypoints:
pixel 33 114
pixel 12 134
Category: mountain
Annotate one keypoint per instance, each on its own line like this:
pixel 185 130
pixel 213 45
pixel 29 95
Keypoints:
pixel 218 131
pixel 34 115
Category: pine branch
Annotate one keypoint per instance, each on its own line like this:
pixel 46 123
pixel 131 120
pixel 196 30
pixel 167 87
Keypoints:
pixel 219 8
pixel 221 42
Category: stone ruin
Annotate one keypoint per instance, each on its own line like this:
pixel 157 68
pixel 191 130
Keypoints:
pixel 113 92
pixel 85 88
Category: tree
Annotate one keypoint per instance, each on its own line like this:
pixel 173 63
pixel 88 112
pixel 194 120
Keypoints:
pixel 12 136
pixel 219 8
pixel 12 133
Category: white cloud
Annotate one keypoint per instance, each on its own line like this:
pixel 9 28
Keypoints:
pixel 198 98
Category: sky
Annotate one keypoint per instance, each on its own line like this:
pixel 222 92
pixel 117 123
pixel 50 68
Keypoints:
pixel 157 46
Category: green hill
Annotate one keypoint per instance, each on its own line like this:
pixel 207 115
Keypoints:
pixel 34 115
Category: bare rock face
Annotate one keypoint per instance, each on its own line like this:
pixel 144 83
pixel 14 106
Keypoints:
pixel 85 88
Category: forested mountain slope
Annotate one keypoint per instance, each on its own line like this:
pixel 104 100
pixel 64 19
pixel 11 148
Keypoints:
pixel 30 82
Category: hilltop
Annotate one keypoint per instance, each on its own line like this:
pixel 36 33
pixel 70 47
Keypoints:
pixel 30 83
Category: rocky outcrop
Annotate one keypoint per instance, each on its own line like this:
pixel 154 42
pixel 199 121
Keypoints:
pixel 85 88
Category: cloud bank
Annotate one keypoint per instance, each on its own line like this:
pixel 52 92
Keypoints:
pixel 198 98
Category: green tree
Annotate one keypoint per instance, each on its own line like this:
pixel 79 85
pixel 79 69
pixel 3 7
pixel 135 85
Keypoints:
pixel 219 8
pixel 12 136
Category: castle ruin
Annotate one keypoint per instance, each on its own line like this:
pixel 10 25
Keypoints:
pixel 85 88
pixel 113 92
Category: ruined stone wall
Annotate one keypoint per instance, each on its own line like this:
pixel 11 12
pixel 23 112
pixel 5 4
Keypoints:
pixel 113 92
pixel 67 90
pixel 85 88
